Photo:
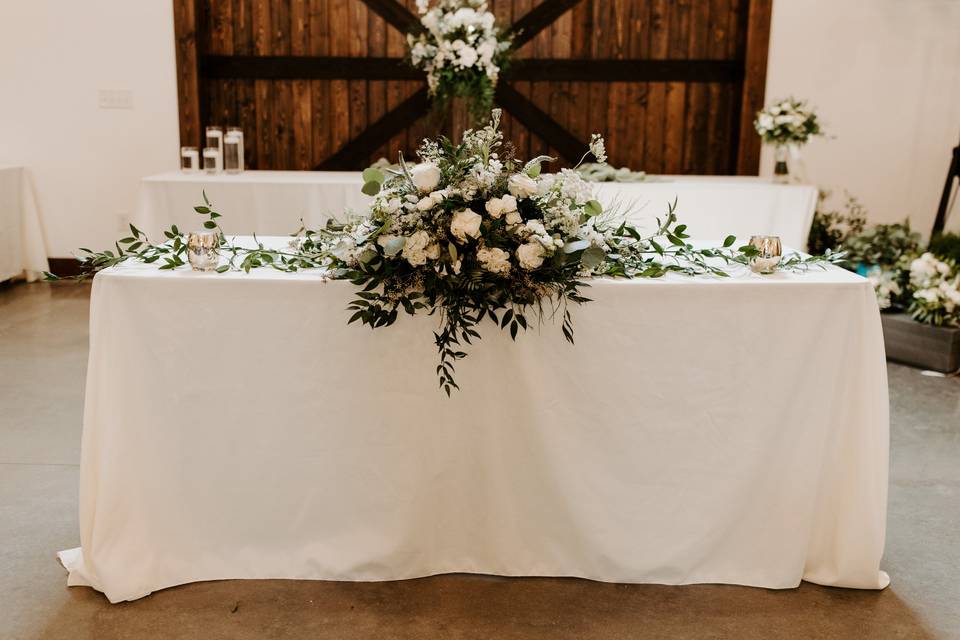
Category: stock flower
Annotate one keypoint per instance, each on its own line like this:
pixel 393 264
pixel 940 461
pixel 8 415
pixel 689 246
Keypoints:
pixel 426 176
pixel 465 224
pixel 530 255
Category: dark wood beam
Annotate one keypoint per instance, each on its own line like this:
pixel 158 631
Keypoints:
pixel 754 83
pixel 626 70
pixel 953 174
pixel 356 152
pixel 539 122
pixel 396 15
pixel 185 29
pixel 307 68
pixel 328 68
pixel 537 19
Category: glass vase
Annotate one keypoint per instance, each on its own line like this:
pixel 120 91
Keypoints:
pixel 781 169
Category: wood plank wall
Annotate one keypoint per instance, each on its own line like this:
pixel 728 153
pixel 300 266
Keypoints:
pixel 659 127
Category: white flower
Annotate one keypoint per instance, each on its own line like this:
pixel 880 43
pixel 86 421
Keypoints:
pixel 425 204
pixel 530 255
pixel 468 56
pixel 419 248
pixel 521 185
pixel 465 224
pixel 513 217
pixel 597 148
pixel 496 207
pixel 426 176
pixel 494 260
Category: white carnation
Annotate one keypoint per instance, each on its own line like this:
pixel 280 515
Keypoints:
pixel 465 224
pixel 426 176
pixel 494 260
pixel 419 248
pixel 530 255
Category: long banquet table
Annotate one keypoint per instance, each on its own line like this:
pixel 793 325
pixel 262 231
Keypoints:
pixel 274 202
pixel 700 431
pixel 22 249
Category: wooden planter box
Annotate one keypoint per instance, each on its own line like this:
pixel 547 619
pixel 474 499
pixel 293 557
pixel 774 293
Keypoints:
pixel 921 345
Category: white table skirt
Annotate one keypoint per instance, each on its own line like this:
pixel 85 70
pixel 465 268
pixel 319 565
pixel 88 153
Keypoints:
pixel 700 431
pixel 274 202
pixel 22 249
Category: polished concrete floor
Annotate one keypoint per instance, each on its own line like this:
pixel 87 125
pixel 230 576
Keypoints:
pixel 43 344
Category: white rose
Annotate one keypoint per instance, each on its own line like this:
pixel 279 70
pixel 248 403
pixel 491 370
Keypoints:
pixel 425 203
pixel 426 176
pixel 530 255
pixel 509 203
pixel 468 56
pixel 494 260
pixel 495 207
pixel 513 217
pixel 465 223
pixel 418 248
pixel 522 186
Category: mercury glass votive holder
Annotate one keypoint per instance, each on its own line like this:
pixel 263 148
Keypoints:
pixel 769 254
pixel 203 250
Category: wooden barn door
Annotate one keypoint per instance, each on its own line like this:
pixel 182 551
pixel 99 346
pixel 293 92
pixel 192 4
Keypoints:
pixel 672 84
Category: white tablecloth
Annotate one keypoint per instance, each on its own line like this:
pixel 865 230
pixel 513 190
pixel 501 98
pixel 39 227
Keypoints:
pixel 22 249
pixel 274 202
pixel 700 430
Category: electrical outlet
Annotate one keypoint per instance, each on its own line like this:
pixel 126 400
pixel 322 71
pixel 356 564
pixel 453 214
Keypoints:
pixel 116 99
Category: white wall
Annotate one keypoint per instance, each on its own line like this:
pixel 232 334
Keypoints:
pixel 55 55
pixel 885 78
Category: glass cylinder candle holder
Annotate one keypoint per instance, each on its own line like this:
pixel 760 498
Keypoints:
pixel 203 250
pixel 189 159
pixel 237 132
pixel 769 254
pixel 232 148
pixel 212 160
pixel 215 138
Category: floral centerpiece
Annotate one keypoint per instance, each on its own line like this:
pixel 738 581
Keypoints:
pixel 461 50
pixel 468 234
pixel 786 124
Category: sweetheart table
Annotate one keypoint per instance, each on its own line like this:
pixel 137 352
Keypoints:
pixel 274 202
pixel 701 430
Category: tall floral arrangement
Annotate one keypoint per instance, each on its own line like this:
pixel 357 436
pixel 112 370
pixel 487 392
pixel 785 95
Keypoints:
pixel 787 122
pixel 462 51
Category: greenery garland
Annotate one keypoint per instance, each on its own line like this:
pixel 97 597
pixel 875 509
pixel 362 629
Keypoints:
pixel 469 234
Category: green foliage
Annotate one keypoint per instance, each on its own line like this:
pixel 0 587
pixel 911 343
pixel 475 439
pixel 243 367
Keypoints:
pixel 946 246
pixel 884 245
pixel 833 227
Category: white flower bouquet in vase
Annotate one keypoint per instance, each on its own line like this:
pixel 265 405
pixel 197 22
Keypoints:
pixel 462 51
pixel 788 125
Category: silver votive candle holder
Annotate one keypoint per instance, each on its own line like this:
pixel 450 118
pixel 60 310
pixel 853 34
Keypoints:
pixel 769 254
pixel 203 250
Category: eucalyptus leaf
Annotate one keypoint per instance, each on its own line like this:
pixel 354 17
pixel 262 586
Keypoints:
pixel 371 188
